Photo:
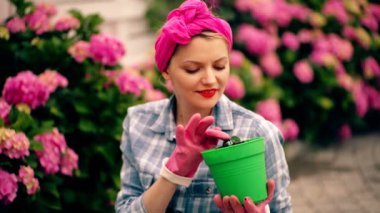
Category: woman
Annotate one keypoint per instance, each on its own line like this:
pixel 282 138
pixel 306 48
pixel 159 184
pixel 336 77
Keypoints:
pixel 162 141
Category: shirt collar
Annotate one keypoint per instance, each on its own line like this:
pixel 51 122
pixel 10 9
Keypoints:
pixel 165 122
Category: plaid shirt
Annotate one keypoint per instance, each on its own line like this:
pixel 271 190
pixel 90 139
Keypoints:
pixel 149 137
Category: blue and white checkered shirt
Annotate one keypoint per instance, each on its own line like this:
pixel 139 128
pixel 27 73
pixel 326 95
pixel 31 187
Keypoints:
pixel 149 137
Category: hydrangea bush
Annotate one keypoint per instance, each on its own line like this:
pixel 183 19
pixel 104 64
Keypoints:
pixel 64 97
pixel 310 67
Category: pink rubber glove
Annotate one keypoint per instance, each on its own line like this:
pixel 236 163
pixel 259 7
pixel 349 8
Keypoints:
pixel 232 204
pixel 191 141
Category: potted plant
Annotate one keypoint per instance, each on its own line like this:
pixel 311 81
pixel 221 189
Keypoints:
pixel 238 168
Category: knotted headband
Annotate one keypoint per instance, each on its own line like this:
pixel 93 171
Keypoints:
pixel 190 19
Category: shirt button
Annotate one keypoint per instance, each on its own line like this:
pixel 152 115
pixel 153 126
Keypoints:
pixel 209 190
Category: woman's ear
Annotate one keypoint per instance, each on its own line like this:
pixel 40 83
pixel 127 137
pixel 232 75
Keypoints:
pixel 166 75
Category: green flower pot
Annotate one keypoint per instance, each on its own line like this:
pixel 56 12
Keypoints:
pixel 239 169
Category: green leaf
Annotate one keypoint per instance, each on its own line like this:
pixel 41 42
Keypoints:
pixel 36 146
pixel 87 126
pixel 325 102
pixel 20 120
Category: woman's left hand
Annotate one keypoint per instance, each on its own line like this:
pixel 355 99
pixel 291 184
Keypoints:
pixel 231 203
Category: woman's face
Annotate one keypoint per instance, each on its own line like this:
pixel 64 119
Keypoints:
pixel 199 72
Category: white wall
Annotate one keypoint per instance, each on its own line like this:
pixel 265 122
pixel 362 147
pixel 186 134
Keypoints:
pixel 123 19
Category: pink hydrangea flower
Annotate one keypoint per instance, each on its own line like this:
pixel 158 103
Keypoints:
pixel 236 58
pixel 349 32
pixel 258 42
pixel 106 49
pixel 257 76
pixel 154 95
pixel 336 8
pixel 67 23
pixel 69 162
pixel 26 176
pixel 373 97
pixel 371 68
pixel 79 51
pixel 345 81
pixel 38 21
pixel 19 146
pixel 46 8
pixel 5 108
pixel 374 10
pixel 290 41
pixel 341 48
pixel 16 25
pixel 303 71
pixel 131 83
pixel 271 64
pixel 235 88
pixel 340 69
pixel 5 135
pixel 54 144
pixel 305 36
pixel 25 88
pixel 360 98
pixel 53 80
pixel 8 187
pixel 269 109
pixel 370 22
pixel 291 129
pixel 345 132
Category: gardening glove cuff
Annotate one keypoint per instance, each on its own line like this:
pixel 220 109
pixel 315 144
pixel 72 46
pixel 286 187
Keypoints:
pixel 174 178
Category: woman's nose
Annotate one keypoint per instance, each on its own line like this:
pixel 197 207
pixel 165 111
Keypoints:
pixel 209 76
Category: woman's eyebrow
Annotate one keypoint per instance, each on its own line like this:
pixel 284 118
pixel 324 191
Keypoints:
pixel 197 62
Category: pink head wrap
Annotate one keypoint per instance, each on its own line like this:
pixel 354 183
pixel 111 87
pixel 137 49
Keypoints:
pixel 189 19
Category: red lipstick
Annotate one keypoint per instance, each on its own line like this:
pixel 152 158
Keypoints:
pixel 207 93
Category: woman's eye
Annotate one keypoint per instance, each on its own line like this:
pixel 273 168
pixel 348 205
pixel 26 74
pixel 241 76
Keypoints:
pixel 191 70
pixel 220 68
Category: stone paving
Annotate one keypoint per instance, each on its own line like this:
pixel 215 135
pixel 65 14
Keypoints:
pixel 342 178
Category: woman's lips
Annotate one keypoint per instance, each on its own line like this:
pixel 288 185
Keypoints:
pixel 208 93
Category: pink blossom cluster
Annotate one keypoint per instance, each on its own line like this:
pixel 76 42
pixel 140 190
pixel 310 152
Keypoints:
pixel 5 108
pixel 345 132
pixel 38 21
pixel 106 49
pixel 26 88
pixel 53 80
pixel 366 97
pixel 278 11
pixel 236 59
pixel 56 156
pixel 303 71
pixel 257 41
pixel 256 76
pixel 8 187
pixel 79 51
pixel 128 82
pixel 26 176
pixel 12 144
pixel 235 87
pixel 67 23
pixel 154 95
pixel 271 111
pixel 16 25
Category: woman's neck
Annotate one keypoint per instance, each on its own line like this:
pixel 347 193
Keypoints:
pixel 182 115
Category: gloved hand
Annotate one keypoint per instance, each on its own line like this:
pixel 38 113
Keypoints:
pixel 191 141
pixel 232 204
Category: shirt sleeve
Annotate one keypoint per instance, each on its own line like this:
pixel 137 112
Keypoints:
pixel 129 198
pixel 277 169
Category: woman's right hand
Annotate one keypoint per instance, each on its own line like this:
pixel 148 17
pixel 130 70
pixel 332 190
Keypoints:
pixel 231 204
pixel 191 141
